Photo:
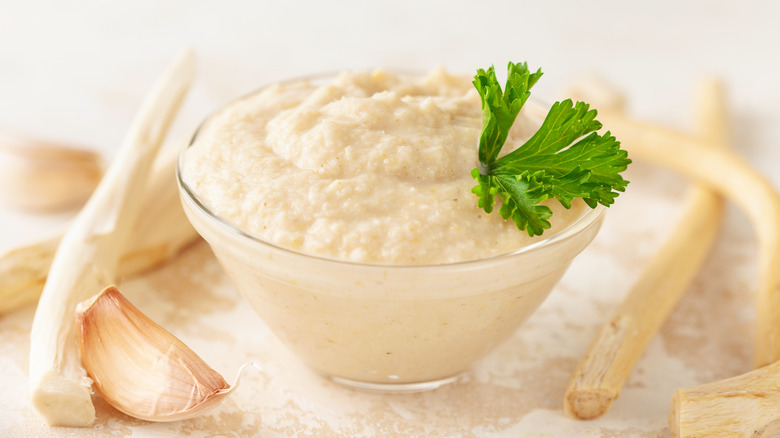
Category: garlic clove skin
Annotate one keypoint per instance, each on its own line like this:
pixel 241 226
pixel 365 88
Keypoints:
pixel 140 368
pixel 43 176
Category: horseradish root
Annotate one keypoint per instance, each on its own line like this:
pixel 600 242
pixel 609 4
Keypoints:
pixel 727 173
pixel 743 406
pixel 607 364
pixel 140 368
pixel 23 273
pixel 88 255
pixel 159 234
pixel 44 176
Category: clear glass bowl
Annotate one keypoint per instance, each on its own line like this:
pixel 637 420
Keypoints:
pixel 388 327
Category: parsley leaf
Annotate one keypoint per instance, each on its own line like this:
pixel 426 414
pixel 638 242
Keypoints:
pixel 548 165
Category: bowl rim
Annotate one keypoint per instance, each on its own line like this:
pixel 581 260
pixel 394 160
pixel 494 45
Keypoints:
pixel 581 223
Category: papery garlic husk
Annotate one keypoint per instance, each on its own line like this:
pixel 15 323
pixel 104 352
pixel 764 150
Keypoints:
pixel 140 368
pixel 46 176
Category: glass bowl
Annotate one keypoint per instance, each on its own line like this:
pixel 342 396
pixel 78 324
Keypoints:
pixel 388 327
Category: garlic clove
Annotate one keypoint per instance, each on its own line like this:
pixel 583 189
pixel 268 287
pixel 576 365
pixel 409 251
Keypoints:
pixel 45 176
pixel 139 367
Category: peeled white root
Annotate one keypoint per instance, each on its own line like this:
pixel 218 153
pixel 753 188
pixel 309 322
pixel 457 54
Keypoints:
pixel 728 174
pixel 88 255
pixel 158 235
pixel 744 406
pixel 606 366
pixel 23 273
pixel 45 176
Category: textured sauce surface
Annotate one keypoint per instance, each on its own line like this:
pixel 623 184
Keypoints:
pixel 368 167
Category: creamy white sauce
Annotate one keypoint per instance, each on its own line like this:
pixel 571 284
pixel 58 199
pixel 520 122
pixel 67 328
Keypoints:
pixel 366 167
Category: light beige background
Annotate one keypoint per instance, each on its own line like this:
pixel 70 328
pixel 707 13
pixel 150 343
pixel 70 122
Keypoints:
pixel 78 71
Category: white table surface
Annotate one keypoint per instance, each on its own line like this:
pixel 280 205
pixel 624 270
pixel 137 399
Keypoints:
pixel 77 71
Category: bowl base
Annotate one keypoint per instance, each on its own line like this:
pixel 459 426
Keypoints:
pixel 393 388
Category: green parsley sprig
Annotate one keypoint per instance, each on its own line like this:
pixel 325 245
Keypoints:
pixel 548 165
